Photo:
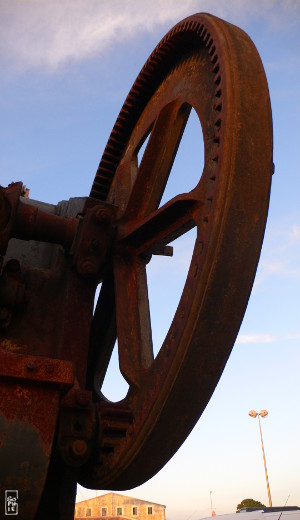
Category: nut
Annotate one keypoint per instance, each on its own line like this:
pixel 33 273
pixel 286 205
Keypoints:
pixel 86 267
pixel 13 266
pixel 102 215
pixel 79 448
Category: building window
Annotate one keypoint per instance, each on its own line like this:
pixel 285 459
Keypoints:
pixel 88 512
pixel 134 510
pixel 103 511
pixel 119 511
pixel 149 510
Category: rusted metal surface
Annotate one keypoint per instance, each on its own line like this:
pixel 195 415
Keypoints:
pixel 55 350
pixel 22 220
pixel 9 198
pixel 29 406
pixel 36 368
pixel 27 424
pixel 94 240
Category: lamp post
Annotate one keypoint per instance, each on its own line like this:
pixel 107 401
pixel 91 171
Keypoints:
pixel 262 413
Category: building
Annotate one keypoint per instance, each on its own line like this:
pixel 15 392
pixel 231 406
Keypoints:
pixel 118 507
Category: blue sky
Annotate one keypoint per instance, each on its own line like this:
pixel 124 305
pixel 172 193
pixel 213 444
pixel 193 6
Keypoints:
pixel 66 68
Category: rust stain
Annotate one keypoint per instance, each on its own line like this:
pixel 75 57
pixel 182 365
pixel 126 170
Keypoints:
pixel 25 394
pixel 7 344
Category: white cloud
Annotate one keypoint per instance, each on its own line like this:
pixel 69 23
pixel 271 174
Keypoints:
pixel 38 33
pixel 245 339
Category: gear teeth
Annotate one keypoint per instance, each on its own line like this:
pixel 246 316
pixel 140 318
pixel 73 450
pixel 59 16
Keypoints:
pixel 172 50
pixel 218 123
pixel 217 80
pixel 208 41
pixel 114 426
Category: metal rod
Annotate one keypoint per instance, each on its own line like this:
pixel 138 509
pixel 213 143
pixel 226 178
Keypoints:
pixel 262 445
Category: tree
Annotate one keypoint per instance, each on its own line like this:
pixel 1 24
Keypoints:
pixel 249 502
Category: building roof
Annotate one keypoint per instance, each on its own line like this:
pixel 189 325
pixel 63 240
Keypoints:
pixel 125 497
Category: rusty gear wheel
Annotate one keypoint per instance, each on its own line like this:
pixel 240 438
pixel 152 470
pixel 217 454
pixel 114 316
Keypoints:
pixel 213 67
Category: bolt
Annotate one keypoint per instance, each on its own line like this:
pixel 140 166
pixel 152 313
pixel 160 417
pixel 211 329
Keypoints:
pixel 30 366
pixel 86 267
pixel 13 266
pixel 49 368
pixel 79 448
pixel 102 215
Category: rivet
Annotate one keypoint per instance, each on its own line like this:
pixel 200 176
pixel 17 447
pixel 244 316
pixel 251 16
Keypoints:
pixel 102 215
pixel 79 447
pixel 86 267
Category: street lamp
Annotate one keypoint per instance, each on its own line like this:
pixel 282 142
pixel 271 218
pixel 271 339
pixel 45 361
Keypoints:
pixel 211 505
pixel 262 413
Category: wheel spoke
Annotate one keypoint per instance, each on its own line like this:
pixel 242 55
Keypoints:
pixel 103 335
pixel 158 159
pixel 133 318
pixel 163 226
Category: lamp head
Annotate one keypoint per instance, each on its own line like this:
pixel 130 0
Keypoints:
pixel 263 413
pixel 253 413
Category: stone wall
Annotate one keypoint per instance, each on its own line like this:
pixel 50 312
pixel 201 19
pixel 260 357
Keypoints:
pixel 119 506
